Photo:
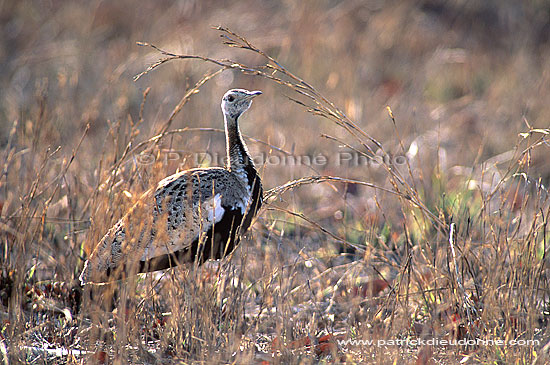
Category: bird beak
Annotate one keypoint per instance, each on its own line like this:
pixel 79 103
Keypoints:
pixel 253 94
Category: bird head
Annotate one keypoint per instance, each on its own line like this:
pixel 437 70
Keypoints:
pixel 237 101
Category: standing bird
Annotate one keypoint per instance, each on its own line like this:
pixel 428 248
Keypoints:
pixel 194 215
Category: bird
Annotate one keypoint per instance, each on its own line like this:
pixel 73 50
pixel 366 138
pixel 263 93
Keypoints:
pixel 191 216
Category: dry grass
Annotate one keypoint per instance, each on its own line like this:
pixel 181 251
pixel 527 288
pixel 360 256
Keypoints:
pixel 440 232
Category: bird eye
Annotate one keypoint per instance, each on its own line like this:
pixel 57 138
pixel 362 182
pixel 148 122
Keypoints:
pixel 230 98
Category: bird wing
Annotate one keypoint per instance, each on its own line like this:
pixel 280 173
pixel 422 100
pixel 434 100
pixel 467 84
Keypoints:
pixel 184 206
pixel 175 233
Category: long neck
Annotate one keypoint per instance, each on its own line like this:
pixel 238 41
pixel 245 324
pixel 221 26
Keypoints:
pixel 237 154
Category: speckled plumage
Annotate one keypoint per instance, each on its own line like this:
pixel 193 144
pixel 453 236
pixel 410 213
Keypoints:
pixel 196 214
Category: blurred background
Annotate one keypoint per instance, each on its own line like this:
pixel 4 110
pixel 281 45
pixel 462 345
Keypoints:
pixel 465 73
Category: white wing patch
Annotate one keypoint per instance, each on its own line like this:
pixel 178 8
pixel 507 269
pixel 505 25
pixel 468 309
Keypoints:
pixel 214 209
